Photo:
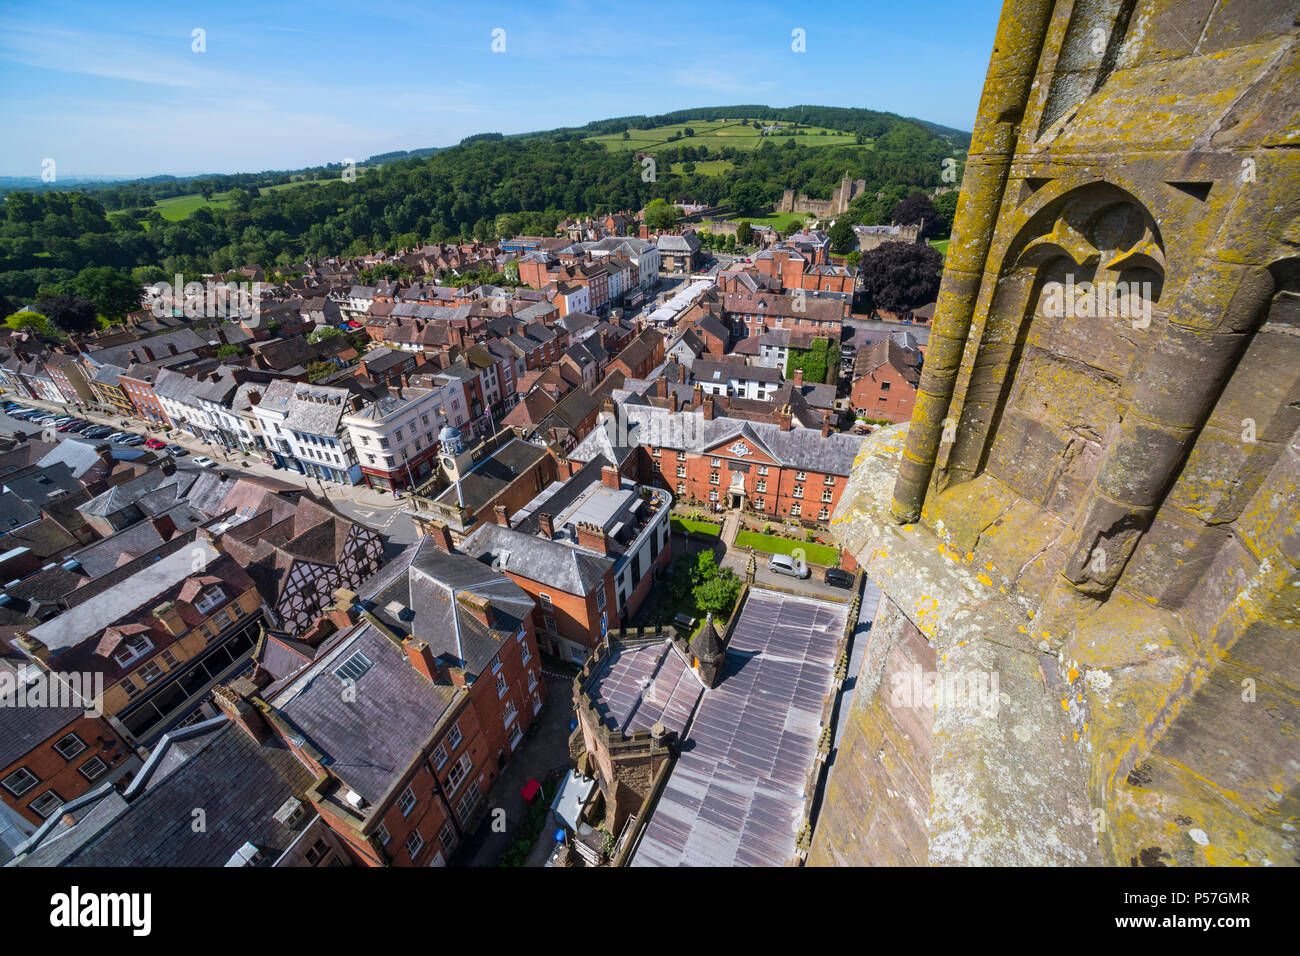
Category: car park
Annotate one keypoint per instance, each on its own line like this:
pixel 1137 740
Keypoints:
pixel 784 564
pixel 75 423
pixel 838 578
pixel 203 461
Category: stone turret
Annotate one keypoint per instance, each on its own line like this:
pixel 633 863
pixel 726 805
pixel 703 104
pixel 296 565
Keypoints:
pixel 708 653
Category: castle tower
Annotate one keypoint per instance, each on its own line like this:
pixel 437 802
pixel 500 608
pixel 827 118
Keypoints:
pixel 1086 647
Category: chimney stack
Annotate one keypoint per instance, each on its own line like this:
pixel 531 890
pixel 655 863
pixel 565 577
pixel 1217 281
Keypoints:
pixel 826 424
pixel 783 418
pixel 546 524
pixel 798 377
pixel 479 606
pixel 441 536
pixel 593 537
pixel 502 515
pixel 672 401
pixel 609 477
pixel 238 708
pixel 708 407
pixel 422 659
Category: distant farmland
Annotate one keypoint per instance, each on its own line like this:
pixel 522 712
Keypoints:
pixel 737 133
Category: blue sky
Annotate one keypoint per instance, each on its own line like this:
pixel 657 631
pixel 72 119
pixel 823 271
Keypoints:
pixel 115 88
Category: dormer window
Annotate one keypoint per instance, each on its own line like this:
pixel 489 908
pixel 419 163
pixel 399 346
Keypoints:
pixel 132 649
pixel 209 599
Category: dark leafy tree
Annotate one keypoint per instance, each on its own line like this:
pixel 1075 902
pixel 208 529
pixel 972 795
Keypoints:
pixel 841 236
pixel 901 276
pixel 917 208
pixel 69 313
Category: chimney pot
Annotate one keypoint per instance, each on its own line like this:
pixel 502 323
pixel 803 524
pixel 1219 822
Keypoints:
pixel 546 524
pixel 441 536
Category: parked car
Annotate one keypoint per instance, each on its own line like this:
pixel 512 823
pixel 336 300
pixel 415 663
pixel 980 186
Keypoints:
pixel 685 621
pixel 99 431
pixel 130 440
pixel 838 578
pixel 203 461
pixel 76 423
pixel 784 564
pixel 176 450
pixel 114 436
pixel 154 443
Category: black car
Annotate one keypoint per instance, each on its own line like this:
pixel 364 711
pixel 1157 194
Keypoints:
pixel 837 578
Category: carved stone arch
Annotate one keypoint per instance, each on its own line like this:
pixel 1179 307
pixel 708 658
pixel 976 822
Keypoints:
pixel 1046 370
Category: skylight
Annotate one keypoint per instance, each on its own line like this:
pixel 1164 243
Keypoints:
pixel 353 667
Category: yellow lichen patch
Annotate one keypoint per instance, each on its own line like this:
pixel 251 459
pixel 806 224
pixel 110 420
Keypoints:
pixel 984 579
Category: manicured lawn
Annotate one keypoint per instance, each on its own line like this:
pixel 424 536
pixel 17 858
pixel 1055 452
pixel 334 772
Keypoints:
pixel 941 245
pixel 781 220
pixel 686 526
pixel 818 554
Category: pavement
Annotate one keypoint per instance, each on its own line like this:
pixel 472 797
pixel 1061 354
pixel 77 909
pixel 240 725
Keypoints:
pixel 377 510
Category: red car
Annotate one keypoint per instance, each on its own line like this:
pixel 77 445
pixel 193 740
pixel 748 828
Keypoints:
pixel 155 444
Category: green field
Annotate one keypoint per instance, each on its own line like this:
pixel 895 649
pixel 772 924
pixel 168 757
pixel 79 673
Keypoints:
pixel 941 245
pixel 736 133
pixel 180 207
pixel 706 167
pixel 818 554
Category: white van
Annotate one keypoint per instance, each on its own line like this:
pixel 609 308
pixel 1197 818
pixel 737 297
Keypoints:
pixel 784 564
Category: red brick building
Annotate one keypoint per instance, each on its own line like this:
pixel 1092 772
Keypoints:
pixel 448 645
pixel 885 379
pixel 138 381
pixel 773 469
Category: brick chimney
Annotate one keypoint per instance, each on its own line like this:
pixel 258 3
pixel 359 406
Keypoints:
pixel 164 525
pixel 441 536
pixel 479 606
pixel 798 377
pixel 242 711
pixel 708 407
pixel 502 514
pixel 672 401
pixel 610 478
pixel 826 424
pixel 783 418
pixel 593 537
pixel 546 524
pixel 343 611
pixel 422 659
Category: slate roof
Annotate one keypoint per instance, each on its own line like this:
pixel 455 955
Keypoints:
pixel 239 783
pixel 493 474
pixel 556 564
pixel 800 448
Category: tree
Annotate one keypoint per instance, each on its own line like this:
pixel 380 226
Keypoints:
pixel 113 293
pixel 661 215
pixel 901 276
pixel 746 198
pixel 318 370
pixel 689 131
pixel 30 321
pixel 945 211
pixel 228 350
pixel 626 134
pixel 917 208
pixel 744 233
pixel 719 592
pixel 841 236
pixel 324 332
pixel 69 313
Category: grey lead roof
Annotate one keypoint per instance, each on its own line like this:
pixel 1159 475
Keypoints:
pixel 736 794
